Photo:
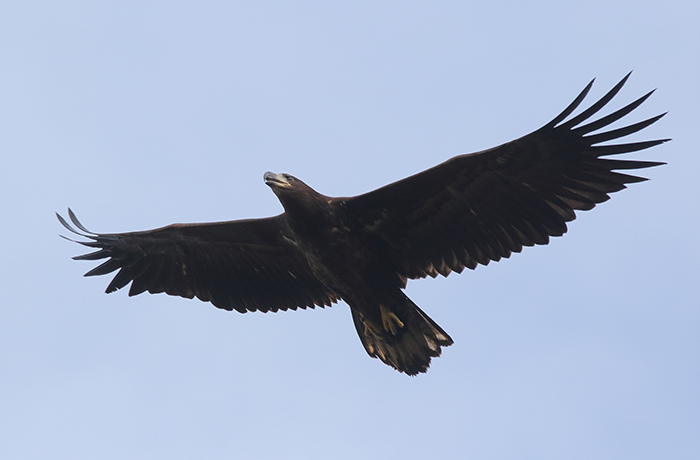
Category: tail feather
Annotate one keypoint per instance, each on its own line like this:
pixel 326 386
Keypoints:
pixel 413 346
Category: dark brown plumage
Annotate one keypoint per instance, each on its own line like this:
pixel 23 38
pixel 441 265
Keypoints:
pixel 469 210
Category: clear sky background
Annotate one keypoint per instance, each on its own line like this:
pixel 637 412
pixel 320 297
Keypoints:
pixel 138 114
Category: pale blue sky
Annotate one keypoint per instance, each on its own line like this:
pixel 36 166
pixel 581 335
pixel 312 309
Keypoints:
pixel 139 114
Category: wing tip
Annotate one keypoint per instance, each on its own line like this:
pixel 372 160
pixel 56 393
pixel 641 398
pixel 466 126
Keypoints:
pixel 571 107
pixel 76 224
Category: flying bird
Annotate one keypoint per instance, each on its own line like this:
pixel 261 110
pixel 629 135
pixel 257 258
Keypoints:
pixel 469 210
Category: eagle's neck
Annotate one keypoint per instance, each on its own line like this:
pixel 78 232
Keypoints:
pixel 307 213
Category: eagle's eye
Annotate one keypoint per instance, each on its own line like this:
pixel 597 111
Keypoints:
pixel 288 177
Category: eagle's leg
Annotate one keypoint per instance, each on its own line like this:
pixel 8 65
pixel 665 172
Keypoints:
pixel 390 321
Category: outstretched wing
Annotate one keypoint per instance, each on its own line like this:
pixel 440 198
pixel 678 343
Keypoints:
pixel 484 206
pixel 243 265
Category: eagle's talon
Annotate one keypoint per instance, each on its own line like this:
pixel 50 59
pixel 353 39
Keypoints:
pixel 390 321
pixel 371 328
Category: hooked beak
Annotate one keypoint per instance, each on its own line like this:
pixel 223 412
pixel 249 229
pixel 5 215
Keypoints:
pixel 275 180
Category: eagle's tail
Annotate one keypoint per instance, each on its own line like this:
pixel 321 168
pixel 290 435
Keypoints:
pixel 415 338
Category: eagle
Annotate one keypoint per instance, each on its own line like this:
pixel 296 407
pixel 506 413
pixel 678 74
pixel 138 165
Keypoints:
pixel 470 210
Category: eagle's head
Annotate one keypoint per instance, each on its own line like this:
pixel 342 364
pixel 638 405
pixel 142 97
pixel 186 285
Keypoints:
pixel 300 201
pixel 281 181
pixel 287 186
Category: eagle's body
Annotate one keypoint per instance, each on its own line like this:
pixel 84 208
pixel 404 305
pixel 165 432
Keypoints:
pixel 346 258
pixel 466 211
